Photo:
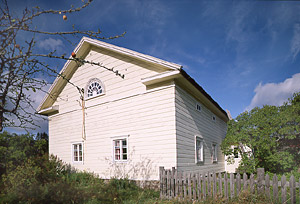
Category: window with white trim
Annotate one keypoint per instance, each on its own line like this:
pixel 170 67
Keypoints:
pixel 214 152
pixel 94 88
pixel 120 149
pixel 77 152
pixel 199 149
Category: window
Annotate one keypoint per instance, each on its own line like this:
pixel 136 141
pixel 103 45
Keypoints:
pixel 199 149
pixel 198 107
pixel 77 152
pixel 214 153
pixel 120 149
pixel 94 88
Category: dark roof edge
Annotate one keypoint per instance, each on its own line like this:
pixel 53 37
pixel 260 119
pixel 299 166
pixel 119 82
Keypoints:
pixel 190 79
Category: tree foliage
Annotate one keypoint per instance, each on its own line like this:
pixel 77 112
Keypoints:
pixel 21 65
pixel 266 137
pixel 16 149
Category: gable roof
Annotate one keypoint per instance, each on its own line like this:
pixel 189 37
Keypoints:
pixel 84 45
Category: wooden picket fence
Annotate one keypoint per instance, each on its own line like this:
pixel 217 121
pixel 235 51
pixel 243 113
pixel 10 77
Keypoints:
pixel 197 186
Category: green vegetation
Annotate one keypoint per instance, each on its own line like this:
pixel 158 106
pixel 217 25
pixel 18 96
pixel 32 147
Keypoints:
pixel 272 134
pixel 29 176
pixel 50 181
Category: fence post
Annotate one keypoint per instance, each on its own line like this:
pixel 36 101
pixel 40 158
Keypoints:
pixel 161 180
pixel 238 184
pixel 214 185
pixel 275 188
pixel 194 186
pixel 180 184
pixel 231 185
pixel 168 184
pixel 208 184
pixel 226 185
pixel 245 180
pixel 252 184
pixel 292 189
pixel 260 179
pixel 220 184
pixel 267 187
pixel 176 183
pixel 283 189
pixel 190 186
pixel 204 186
pixel 172 182
pixel 184 185
pixel 199 185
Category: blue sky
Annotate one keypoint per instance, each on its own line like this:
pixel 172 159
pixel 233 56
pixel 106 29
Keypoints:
pixel 243 53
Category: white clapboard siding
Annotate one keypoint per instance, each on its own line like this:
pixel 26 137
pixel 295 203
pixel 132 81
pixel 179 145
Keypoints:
pixel 151 136
pixel 115 87
pixel 160 121
pixel 126 109
pixel 189 123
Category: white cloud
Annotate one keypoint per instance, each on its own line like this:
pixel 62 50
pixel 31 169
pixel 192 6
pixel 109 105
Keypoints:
pixel 275 93
pixel 295 43
pixel 51 44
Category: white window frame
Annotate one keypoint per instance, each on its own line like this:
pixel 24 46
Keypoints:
pixel 214 152
pixel 82 150
pixel 201 148
pixel 87 87
pixel 120 138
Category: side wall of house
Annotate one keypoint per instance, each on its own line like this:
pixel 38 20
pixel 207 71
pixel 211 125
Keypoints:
pixel 127 109
pixel 191 123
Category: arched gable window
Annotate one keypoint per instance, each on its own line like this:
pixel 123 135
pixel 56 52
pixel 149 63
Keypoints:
pixel 94 88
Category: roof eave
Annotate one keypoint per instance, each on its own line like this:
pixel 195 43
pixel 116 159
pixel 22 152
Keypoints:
pixel 199 88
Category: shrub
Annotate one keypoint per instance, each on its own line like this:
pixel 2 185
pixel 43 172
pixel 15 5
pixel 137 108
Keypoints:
pixel 42 180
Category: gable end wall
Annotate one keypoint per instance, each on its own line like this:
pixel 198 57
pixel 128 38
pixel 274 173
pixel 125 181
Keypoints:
pixel 146 116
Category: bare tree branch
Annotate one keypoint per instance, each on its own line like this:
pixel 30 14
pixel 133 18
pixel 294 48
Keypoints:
pixel 20 65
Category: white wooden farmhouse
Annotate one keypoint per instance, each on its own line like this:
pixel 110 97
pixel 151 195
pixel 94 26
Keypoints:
pixel 156 116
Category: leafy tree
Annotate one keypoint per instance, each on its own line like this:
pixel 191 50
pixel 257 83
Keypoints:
pixel 270 133
pixel 21 64
pixel 17 149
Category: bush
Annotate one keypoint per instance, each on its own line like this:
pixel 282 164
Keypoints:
pixel 51 181
pixel 40 181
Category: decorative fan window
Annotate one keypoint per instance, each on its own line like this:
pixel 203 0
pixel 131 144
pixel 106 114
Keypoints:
pixel 94 88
